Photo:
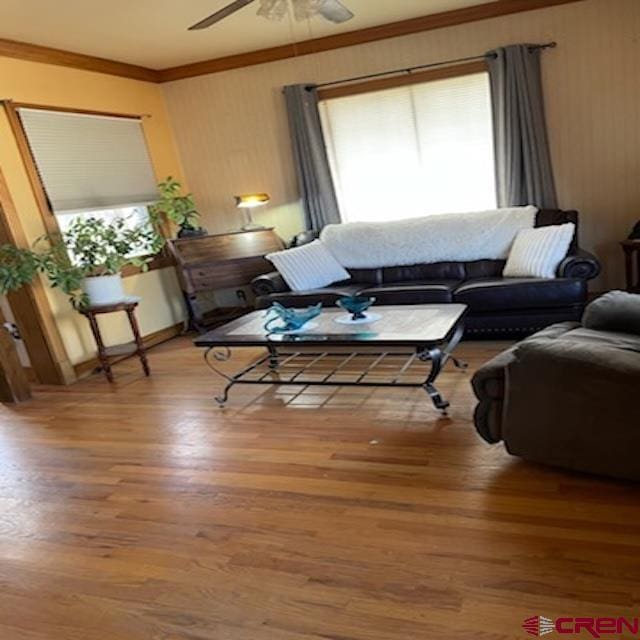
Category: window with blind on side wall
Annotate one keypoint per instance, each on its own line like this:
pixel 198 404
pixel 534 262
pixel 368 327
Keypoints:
pixel 412 150
pixel 91 165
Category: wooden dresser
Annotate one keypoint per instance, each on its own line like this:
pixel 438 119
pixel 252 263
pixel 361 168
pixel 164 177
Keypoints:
pixel 208 263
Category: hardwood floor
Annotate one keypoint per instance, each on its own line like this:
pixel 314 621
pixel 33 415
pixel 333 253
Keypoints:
pixel 143 512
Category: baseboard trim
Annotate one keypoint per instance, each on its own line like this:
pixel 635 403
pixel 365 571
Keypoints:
pixel 87 367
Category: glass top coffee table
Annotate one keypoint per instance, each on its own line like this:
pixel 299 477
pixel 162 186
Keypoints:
pixel 406 347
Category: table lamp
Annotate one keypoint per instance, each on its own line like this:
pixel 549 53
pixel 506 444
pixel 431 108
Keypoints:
pixel 251 201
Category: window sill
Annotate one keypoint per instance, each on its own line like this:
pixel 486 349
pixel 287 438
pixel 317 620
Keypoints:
pixel 161 261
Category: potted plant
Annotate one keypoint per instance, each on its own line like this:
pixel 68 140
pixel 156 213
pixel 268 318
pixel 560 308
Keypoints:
pixel 85 261
pixel 17 268
pixel 177 208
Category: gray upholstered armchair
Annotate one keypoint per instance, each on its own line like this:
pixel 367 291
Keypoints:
pixel 567 396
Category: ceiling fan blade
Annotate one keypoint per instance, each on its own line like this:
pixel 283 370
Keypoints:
pixel 335 11
pixel 220 15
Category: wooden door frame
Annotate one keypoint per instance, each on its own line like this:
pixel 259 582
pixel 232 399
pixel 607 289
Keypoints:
pixel 14 384
pixel 31 307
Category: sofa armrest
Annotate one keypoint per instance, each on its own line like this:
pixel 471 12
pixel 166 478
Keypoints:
pixel 580 264
pixel 302 238
pixel 489 387
pixel 489 384
pixel 269 283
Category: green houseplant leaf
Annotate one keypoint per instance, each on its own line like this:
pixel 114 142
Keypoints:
pixel 17 268
pixel 179 209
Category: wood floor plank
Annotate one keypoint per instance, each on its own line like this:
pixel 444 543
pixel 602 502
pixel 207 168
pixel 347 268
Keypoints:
pixel 143 511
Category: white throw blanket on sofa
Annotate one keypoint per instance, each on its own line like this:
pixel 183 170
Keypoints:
pixel 450 237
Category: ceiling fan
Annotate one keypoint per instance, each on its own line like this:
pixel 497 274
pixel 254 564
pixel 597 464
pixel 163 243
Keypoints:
pixel 332 10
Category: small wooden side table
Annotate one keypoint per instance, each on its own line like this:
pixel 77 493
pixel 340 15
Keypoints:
pixel 632 255
pixel 105 354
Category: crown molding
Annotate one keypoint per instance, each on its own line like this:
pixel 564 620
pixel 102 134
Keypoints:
pixel 372 34
pixel 60 57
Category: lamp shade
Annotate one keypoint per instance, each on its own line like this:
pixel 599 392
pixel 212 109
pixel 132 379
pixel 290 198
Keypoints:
pixel 251 200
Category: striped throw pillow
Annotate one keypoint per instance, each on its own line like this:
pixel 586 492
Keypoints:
pixel 537 253
pixel 311 266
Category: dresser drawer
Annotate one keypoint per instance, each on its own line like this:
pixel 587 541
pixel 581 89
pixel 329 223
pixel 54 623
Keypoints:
pixel 222 275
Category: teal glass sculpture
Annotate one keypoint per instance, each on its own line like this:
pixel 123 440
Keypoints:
pixel 289 319
pixel 355 305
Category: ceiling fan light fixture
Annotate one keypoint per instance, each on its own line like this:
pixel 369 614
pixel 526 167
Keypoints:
pixel 273 9
pixel 332 10
pixel 335 11
pixel 306 9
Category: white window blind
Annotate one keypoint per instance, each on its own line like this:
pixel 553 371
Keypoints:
pixel 89 162
pixel 413 150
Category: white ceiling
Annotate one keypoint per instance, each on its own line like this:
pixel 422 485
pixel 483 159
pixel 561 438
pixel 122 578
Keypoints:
pixel 153 33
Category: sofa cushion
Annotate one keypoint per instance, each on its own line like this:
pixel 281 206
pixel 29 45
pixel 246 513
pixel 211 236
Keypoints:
pixel 614 311
pixel 309 266
pixel 483 269
pixel 425 272
pixel 547 217
pixel 613 339
pixel 537 253
pixel 370 277
pixel 413 292
pixel 327 296
pixel 504 294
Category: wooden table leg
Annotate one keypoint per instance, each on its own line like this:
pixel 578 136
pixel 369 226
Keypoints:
pixel 142 354
pixel 102 354
pixel 196 315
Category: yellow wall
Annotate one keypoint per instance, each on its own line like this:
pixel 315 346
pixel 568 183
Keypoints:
pixel 232 126
pixel 37 83
pixel 232 130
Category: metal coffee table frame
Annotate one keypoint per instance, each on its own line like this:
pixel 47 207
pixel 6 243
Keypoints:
pixel 438 355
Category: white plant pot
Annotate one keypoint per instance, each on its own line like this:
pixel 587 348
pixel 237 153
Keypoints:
pixel 104 289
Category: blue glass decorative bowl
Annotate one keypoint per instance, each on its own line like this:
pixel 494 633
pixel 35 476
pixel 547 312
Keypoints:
pixel 284 320
pixel 355 305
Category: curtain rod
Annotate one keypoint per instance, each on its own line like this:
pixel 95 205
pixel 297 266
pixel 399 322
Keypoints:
pixel 548 45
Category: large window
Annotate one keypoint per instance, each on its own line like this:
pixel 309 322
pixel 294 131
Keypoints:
pixel 412 150
pixel 91 165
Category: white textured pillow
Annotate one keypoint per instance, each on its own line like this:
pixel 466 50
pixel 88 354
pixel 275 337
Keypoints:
pixel 311 266
pixel 537 253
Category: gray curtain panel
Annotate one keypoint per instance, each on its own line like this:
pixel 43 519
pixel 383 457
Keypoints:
pixel 524 174
pixel 310 157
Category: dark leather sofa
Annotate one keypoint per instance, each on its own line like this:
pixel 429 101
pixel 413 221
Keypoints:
pixel 497 305
pixel 566 396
